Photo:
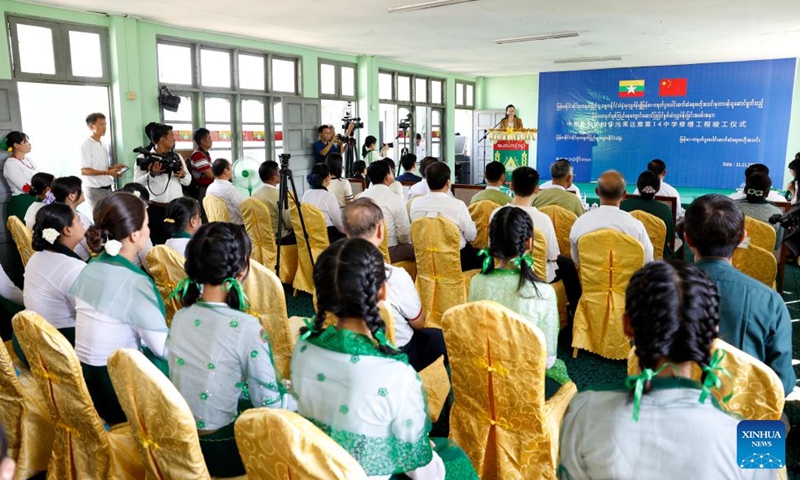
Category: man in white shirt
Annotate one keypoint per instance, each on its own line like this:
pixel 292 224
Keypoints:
pixel 223 189
pixel 269 172
pixel 419 146
pixel 438 203
pixel 364 219
pixel 420 189
pixel 398 227
pixel 98 175
pixel 611 190
pixel 163 186
pixel 658 167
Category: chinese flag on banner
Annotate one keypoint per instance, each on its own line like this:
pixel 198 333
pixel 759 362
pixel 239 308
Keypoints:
pixel 672 87
pixel 247 135
pixel 278 135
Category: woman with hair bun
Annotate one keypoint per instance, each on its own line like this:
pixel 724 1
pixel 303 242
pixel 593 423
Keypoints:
pixel 18 171
pixel 182 221
pixel 53 268
pixel 660 424
pixel 118 305
pixel 353 384
pixel 320 197
pixel 648 184
pixel 40 190
pixel 217 352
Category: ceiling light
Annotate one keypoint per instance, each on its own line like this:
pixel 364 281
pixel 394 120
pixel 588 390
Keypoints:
pixel 534 38
pixel 425 5
pixel 589 59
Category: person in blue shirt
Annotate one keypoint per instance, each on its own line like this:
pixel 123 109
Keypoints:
pixel 326 144
pixel 752 316
pixel 409 163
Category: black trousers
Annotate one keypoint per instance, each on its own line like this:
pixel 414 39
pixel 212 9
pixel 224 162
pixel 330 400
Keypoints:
pixel 290 239
pixel 568 274
pixel 157 213
pixel 334 234
pixel 470 259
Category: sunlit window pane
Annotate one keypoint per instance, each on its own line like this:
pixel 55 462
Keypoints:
pixel 215 68
pixel 385 86
pixel 327 77
pixel 470 95
pixel 174 64
pixel 251 72
pixel 36 49
pixel 284 75
pixel 421 90
pixel 436 91
pixel 252 111
pixel 403 88
pixel 459 94
pixel 349 81
pixel 218 110
pixel 85 54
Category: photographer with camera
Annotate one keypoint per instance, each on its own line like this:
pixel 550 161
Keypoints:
pixel 368 152
pixel 326 144
pixel 163 172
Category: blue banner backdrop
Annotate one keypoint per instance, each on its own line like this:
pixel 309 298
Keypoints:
pixel 708 122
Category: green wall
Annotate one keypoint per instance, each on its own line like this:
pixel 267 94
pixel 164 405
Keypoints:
pixel 134 73
pixel 523 92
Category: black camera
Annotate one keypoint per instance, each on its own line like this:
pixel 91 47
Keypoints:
pixel 346 121
pixel 390 144
pixel 285 160
pixel 405 124
pixel 170 161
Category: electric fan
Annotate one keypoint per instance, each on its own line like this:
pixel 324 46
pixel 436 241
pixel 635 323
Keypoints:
pixel 245 174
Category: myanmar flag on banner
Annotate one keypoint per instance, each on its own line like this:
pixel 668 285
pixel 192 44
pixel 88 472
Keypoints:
pixel 631 88
pixel 672 87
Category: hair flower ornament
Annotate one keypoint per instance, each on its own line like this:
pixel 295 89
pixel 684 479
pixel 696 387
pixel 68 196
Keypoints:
pixel 137 193
pixel 112 247
pixel 649 190
pixel 49 198
pixel 50 234
pixel 26 188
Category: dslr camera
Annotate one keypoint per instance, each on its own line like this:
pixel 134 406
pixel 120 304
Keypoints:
pixel 346 121
pixel 170 161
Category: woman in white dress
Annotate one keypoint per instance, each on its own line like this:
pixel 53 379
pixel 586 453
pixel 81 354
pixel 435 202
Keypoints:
pixel 117 303
pixel 340 187
pixel 355 386
pixel 69 190
pixel 652 425
pixel 18 172
pixel 181 222
pixel 53 269
pixel 40 189
pixel 219 357
pixel 320 197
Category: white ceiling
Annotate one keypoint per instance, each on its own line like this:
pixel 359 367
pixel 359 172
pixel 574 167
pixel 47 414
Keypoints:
pixel 460 38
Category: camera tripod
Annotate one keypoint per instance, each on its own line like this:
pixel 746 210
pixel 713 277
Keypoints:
pixel 283 204
pixel 404 150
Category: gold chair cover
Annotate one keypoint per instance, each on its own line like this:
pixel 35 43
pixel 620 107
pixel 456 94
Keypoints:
pixel 258 223
pixel 268 303
pixel 26 419
pixel 159 418
pixel 407 265
pixel 757 390
pixel 761 234
pixel 539 254
pixel 608 259
pixel 562 222
pixel 757 263
pixel 282 445
pixel 23 238
pixel 480 213
pixel 83 449
pixel 317 237
pixel 500 418
pixel 656 231
pixel 440 282
pixel 436 383
pixel 384 247
pixel 166 267
pixel 216 210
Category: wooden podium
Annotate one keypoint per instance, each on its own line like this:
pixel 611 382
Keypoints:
pixel 511 147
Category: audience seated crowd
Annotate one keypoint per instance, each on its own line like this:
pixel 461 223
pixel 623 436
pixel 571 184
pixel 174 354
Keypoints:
pixel 347 378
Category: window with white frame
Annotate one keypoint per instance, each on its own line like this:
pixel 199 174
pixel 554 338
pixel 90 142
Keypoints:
pixel 337 91
pixel 234 93
pixel 465 95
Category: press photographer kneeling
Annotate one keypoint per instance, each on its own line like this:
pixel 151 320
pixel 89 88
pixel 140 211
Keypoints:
pixel 163 172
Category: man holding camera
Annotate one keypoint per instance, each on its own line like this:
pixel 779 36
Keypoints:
pixel 164 174
pixel 326 144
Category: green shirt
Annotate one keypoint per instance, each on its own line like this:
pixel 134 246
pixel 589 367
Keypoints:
pixel 493 195
pixel 753 318
pixel 656 209
pixel 557 196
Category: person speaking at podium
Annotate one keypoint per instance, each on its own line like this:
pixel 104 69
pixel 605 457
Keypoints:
pixel 511 120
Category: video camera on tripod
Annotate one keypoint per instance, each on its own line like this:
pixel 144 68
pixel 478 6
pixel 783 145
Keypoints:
pixel 790 221
pixel 405 124
pixel 170 161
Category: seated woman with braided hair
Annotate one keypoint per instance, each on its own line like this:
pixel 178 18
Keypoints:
pixel 355 386
pixel 653 425
pixel 513 283
pixel 219 357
